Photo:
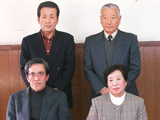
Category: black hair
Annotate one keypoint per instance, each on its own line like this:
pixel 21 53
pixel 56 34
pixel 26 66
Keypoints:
pixel 47 4
pixel 36 61
pixel 119 67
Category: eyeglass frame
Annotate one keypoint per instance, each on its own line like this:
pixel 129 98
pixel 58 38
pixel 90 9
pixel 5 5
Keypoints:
pixel 34 75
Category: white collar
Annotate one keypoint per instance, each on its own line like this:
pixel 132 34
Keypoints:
pixel 113 34
pixel 117 100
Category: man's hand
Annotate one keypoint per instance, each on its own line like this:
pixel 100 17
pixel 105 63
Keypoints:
pixel 104 91
pixel 55 88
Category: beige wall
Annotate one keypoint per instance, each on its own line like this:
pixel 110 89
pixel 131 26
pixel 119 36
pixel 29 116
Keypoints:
pixel 79 17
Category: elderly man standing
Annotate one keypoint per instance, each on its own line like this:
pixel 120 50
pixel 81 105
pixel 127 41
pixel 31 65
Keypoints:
pixel 109 47
pixel 38 102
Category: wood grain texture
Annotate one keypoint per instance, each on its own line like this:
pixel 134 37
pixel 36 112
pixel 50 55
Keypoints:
pixel 148 82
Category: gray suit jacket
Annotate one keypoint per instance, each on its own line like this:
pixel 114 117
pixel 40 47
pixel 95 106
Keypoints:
pixel 54 106
pixel 126 53
pixel 132 108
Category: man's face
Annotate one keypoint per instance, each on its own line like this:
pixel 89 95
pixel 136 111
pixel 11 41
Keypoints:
pixel 48 19
pixel 37 77
pixel 116 83
pixel 110 20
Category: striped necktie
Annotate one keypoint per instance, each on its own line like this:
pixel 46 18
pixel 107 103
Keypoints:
pixel 110 38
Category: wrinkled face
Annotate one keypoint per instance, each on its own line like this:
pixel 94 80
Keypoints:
pixel 116 83
pixel 48 19
pixel 110 20
pixel 37 77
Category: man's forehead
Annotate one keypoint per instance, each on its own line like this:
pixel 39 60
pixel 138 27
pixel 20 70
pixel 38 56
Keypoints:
pixel 48 8
pixel 48 11
pixel 113 10
pixel 37 67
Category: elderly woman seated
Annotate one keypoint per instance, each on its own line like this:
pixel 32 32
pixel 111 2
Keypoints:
pixel 117 104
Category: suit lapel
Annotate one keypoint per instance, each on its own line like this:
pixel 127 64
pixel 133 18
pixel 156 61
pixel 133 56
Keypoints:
pixel 25 105
pixel 100 49
pixel 47 102
pixel 55 48
pixel 40 46
pixel 119 48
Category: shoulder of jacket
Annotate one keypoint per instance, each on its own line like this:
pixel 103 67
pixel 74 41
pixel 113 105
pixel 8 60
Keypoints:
pixel 31 35
pixel 63 33
pixel 101 98
pixel 94 35
pixel 126 33
pixel 18 93
pixel 134 97
pixel 55 92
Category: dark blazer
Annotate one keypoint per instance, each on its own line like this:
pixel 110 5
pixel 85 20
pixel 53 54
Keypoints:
pixel 54 106
pixel 126 52
pixel 61 59
pixel 133 108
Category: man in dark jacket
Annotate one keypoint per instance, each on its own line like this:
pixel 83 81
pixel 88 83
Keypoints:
pixel 55 47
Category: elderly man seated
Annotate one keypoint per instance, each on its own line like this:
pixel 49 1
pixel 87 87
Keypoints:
pixel 38 102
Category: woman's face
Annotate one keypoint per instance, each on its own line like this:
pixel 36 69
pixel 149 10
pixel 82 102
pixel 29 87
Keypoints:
pixel 116 83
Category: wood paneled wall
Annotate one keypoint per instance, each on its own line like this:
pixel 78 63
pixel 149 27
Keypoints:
pixel 148 82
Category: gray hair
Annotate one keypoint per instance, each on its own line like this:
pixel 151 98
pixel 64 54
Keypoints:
pixel 110 5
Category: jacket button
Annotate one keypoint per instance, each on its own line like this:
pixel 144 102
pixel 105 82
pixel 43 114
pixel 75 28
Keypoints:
pixel 117 108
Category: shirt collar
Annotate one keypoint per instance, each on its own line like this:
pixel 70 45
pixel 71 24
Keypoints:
pixel 113 34
pixel 45 38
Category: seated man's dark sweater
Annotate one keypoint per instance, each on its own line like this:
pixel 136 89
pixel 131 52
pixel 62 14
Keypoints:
pixel 36 100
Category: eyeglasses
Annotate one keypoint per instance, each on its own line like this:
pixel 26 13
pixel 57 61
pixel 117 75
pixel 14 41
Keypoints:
pixel 33 75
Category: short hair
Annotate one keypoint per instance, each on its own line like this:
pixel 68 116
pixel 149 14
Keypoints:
pixel 36 61
pixel 113 68
pixel 111 5
pixel 47 4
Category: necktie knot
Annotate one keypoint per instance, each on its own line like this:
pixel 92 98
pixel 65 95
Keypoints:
pixel 110 38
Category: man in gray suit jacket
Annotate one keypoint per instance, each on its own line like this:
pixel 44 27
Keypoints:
pixel 109 47
pixel 38 102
